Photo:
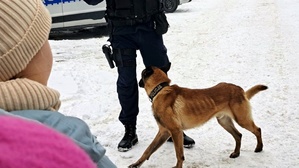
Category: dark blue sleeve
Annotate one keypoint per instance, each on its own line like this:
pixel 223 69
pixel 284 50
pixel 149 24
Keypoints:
pixel 93 2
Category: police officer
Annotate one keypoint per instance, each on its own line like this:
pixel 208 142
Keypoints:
pixel 135 25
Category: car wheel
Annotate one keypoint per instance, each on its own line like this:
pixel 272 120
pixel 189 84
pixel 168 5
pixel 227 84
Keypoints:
pixel 170 5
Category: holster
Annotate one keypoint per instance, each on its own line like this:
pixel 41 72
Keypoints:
pixel 114 56
pixel 108 54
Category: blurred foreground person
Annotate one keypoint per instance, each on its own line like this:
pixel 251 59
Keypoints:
pixel 39 137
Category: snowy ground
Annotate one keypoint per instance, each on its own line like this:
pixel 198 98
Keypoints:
pixel 209 41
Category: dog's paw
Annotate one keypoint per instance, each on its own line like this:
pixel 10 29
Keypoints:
pixel 258 149
pixel 135 165
pixel 234 155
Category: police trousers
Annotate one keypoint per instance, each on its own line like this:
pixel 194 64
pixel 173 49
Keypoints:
pixel 153 53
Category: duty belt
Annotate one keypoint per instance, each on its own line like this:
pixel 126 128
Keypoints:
pixel 127 22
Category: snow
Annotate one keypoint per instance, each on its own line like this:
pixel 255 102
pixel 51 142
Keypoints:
pixel 209 41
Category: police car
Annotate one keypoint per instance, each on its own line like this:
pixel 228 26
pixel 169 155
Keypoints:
pixel 76 13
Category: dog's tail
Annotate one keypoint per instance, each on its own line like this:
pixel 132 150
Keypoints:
pixel 254 90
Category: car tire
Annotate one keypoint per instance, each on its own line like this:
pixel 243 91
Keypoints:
pixel 170 5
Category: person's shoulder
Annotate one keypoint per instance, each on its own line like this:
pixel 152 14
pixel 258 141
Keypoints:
pixel 3 112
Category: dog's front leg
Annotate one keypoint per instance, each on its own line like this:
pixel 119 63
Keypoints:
pixel 160 138
pixel 177 137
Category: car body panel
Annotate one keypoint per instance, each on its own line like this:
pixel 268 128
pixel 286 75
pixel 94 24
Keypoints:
pixel 75 13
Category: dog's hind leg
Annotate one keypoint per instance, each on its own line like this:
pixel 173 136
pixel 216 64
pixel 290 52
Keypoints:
pixel 244 119
pixel 227 123
pixel 250 126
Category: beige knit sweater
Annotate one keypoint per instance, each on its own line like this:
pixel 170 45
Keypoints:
pixel 23 94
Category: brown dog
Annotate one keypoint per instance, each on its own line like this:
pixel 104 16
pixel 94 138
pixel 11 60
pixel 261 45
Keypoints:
pixel 176 109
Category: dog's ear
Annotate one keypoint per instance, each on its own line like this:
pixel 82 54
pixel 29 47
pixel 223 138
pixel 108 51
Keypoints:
pixel 166 68
pixel 141 83
pixel 147 72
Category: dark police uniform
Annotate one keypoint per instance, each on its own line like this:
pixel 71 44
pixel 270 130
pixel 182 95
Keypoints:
pixel 134 25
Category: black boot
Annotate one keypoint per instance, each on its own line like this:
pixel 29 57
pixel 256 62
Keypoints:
pixel 188 142
pixel 129 140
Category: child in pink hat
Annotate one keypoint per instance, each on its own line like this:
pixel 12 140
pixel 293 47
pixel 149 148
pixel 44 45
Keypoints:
pixel 29 144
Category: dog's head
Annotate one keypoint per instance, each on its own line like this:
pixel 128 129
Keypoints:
pixel 153 76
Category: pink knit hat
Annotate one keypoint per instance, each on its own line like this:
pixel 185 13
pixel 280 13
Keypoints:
pixel 28 144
